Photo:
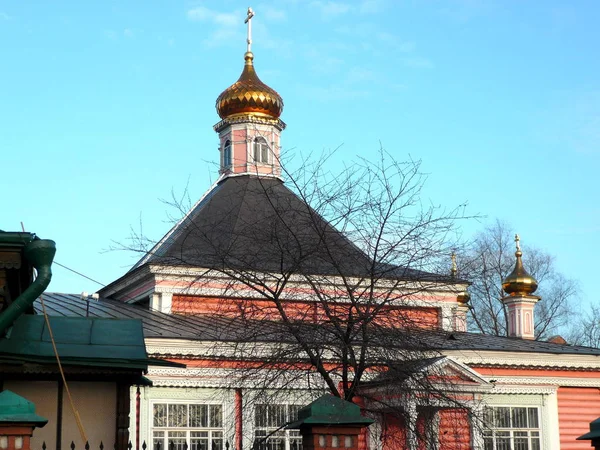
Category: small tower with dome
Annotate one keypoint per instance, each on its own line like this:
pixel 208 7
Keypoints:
pixel 250 127
pixel 520 301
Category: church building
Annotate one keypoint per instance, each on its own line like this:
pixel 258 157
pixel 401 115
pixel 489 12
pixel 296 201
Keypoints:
pixel 264 302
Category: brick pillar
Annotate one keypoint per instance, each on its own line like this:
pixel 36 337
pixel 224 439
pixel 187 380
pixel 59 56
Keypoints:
pixel 320 437
pixel 15 436
pixel 330 423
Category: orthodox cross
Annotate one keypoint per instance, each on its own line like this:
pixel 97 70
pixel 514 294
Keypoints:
pixel 517 239
pixel 249 22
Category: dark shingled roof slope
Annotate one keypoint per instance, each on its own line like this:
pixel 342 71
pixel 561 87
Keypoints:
pixel 207 328
pixel 257 223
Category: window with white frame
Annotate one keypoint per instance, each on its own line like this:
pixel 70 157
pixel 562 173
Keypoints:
pixel 227 154
pixel 193 426
pixel 511 428
pixel 261 150
pixel 269 427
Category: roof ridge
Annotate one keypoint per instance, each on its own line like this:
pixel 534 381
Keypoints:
pixel 175 228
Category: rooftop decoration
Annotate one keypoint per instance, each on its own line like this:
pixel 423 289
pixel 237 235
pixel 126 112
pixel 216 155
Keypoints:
pixel 248 95
pixel 519 282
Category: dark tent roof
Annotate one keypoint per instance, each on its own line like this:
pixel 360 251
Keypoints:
pixel 252 223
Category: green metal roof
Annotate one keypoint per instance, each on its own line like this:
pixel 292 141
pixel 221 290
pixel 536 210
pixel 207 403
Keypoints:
pixel 80 341
pixel 330 410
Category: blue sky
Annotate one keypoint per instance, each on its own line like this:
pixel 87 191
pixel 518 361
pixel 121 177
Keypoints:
pixel 107 106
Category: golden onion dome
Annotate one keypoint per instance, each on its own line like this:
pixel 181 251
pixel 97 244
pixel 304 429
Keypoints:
pixel 249 95
pixel 463 298
pixel 519 282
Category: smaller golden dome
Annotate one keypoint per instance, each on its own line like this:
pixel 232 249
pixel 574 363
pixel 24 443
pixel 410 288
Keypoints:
pixel 249 95
pixel 463 298
pixel 519 282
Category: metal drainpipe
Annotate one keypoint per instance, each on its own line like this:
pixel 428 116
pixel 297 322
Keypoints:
pixel 39 253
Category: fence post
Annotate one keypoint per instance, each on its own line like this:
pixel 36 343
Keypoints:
pixel 330 422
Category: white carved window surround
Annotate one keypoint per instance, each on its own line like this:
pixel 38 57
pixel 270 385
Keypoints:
pixel 512 428
pixel 178 425
pixel 543 398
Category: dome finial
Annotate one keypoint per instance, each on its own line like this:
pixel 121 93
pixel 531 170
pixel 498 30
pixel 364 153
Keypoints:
pixel 454 268
pixel 249 96
pixel 519 282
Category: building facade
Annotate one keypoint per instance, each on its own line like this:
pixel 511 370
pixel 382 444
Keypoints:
pixel 245 291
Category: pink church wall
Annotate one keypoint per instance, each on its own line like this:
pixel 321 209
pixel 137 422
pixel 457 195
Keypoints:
pixel 239 151
pixel 393 432
pixel 455 430
pixel 577 407
pixel 298 310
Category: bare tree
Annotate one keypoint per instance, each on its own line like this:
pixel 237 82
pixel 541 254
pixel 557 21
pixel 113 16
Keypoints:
pixel 322 280
pixel 489 258
pixel 587 331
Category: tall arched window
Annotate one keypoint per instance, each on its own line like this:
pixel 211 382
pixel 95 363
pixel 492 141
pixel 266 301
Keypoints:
pixel 261 150
pixel 227 154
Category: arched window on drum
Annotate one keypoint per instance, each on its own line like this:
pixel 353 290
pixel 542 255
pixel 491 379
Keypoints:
pixel 227 154
pixel 261 150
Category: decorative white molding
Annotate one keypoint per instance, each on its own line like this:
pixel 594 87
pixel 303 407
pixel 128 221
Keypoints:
pixel 493 358
pixel 552 381
pixel 183 372
pixel 124 283
pixel 407 288
pixel 206 394
pixel 524 390
pixel 231 121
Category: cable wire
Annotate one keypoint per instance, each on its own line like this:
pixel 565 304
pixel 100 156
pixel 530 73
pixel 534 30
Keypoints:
pixel 78 273
pixel 62 374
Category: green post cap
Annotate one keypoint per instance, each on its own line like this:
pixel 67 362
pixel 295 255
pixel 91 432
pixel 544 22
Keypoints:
pixel 594 431
pixel 330 410
pixel 16 409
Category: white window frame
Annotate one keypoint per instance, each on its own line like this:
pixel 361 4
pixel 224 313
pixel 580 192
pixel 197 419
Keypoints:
pixel 260 148
pixel 227 157
pixel 212 431
pixel 289 437
pixel 493 433
pixel 525 394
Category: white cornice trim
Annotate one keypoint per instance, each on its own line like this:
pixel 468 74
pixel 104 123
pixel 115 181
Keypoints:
pixel 525 359
pixel 180 273
pixel 191 348
pixel 506 382
pixel 528 390
pixel 127 280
